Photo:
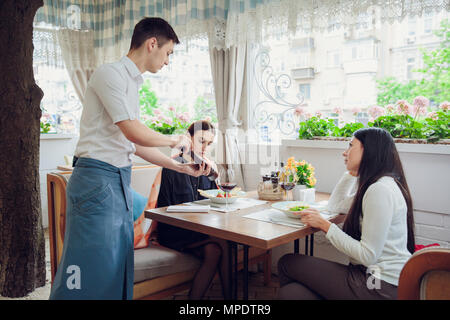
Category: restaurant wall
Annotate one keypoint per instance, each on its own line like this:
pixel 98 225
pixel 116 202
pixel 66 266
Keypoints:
pixel 53 148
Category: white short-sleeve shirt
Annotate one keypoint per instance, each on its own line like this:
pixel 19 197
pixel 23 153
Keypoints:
pixel 112 95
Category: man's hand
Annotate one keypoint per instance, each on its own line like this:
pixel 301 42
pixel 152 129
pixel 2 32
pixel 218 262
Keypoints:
pixel 212 164
pixel 203 169
pixel 180 143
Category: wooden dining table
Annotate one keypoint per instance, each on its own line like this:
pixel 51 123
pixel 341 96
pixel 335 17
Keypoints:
pixel 237 229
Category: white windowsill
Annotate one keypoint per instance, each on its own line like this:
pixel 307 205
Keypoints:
pixel 342 145
pixel 57 136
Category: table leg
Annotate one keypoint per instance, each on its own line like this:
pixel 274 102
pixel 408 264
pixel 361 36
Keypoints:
pixel 235 247
pixel 306 245
pixel 311 247
pixel 245 272
pixel 230 269
pixel 297 246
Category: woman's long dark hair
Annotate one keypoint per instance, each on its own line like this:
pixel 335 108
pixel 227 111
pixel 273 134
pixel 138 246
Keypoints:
pixel 380 158
pixel 203 125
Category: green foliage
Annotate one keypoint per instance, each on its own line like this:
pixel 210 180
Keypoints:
pixel 305 174
pixel 438 128
pixel 315 127
pixel 147 99
pixel 390 91
pixel 400 126
pixel 348 129
pixel 432 128
pixel 164 128
pixel 170 121
pixel 45 127
pixel 174 119
pixel 435 82
pixel 437 66
pixel 203 108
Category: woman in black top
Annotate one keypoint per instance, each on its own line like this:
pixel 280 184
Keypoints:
pixel 179 188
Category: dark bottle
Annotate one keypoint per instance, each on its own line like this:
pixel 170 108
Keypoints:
pixel 213 175
pixel 274 173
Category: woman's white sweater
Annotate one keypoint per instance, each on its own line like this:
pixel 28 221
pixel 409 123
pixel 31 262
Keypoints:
pixel 383 245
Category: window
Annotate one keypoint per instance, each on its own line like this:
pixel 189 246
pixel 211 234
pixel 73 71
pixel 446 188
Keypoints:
pixel 412 25
pixel 60 105
pixel 186 85
pixel 428 23
pixel 334 27
pixel 305 90
pixel 302 59
pixel 330 72
pixel 410 65
pixel 333 58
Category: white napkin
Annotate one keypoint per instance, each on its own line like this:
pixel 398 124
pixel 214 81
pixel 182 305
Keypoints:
pixel 276 216
pixel 189 208
pixel 241 203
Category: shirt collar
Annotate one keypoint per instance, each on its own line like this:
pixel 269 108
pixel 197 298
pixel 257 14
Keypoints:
pixel 132 68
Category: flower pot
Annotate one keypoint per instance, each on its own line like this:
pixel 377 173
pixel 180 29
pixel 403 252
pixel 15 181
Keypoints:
pixel 297 192
pixel 302 193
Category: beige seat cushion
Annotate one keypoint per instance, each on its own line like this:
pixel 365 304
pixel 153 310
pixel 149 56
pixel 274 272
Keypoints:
pixel 156 261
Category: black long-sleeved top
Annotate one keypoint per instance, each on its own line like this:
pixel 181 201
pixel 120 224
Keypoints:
pixel 177 188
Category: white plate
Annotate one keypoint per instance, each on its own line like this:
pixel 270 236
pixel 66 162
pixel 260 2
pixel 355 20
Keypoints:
pixel 212 195
pixel 285 205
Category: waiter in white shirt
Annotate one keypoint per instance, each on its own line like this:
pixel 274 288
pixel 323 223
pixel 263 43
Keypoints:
pixel 98 259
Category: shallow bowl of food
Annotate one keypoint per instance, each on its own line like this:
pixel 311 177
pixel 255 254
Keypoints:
pixel 218 196
pixel 293 209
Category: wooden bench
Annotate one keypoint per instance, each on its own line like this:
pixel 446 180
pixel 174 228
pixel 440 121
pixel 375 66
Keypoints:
pixel 159 271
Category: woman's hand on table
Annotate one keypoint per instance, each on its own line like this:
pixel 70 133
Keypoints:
pixel 312 218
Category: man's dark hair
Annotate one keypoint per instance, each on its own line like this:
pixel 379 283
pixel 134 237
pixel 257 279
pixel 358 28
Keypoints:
pixel 153 27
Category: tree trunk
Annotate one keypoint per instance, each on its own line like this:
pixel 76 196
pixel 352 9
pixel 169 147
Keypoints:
pixel 22 245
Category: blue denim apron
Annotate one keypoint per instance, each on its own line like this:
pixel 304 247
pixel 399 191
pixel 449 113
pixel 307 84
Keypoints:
pixel 98 257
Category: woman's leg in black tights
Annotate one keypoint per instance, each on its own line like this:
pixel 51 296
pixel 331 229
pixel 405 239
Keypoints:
pixel 225 277
pixel 211 254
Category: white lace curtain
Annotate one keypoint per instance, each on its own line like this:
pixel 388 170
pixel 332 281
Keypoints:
pixel 250 21
pixel 227 23
pixel 77 51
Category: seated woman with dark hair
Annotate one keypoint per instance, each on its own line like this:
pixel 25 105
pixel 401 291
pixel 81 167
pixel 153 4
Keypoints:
pixel 377 236
pixel 179 188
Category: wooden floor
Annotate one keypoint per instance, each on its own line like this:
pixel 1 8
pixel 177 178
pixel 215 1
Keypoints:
pixel 256 289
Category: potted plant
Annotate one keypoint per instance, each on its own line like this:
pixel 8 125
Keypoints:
pixel 302 174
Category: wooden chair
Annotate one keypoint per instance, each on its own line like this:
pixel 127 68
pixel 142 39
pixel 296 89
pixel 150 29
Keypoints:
pixel 426 275
pixel 151 289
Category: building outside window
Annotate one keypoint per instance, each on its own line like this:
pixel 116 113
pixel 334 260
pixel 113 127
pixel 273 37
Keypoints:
pixel 305 90
pixel 410 65
pixel 333 59
pixel 173 86
pixel 363 61
pixel 428 23
pixel 412 26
